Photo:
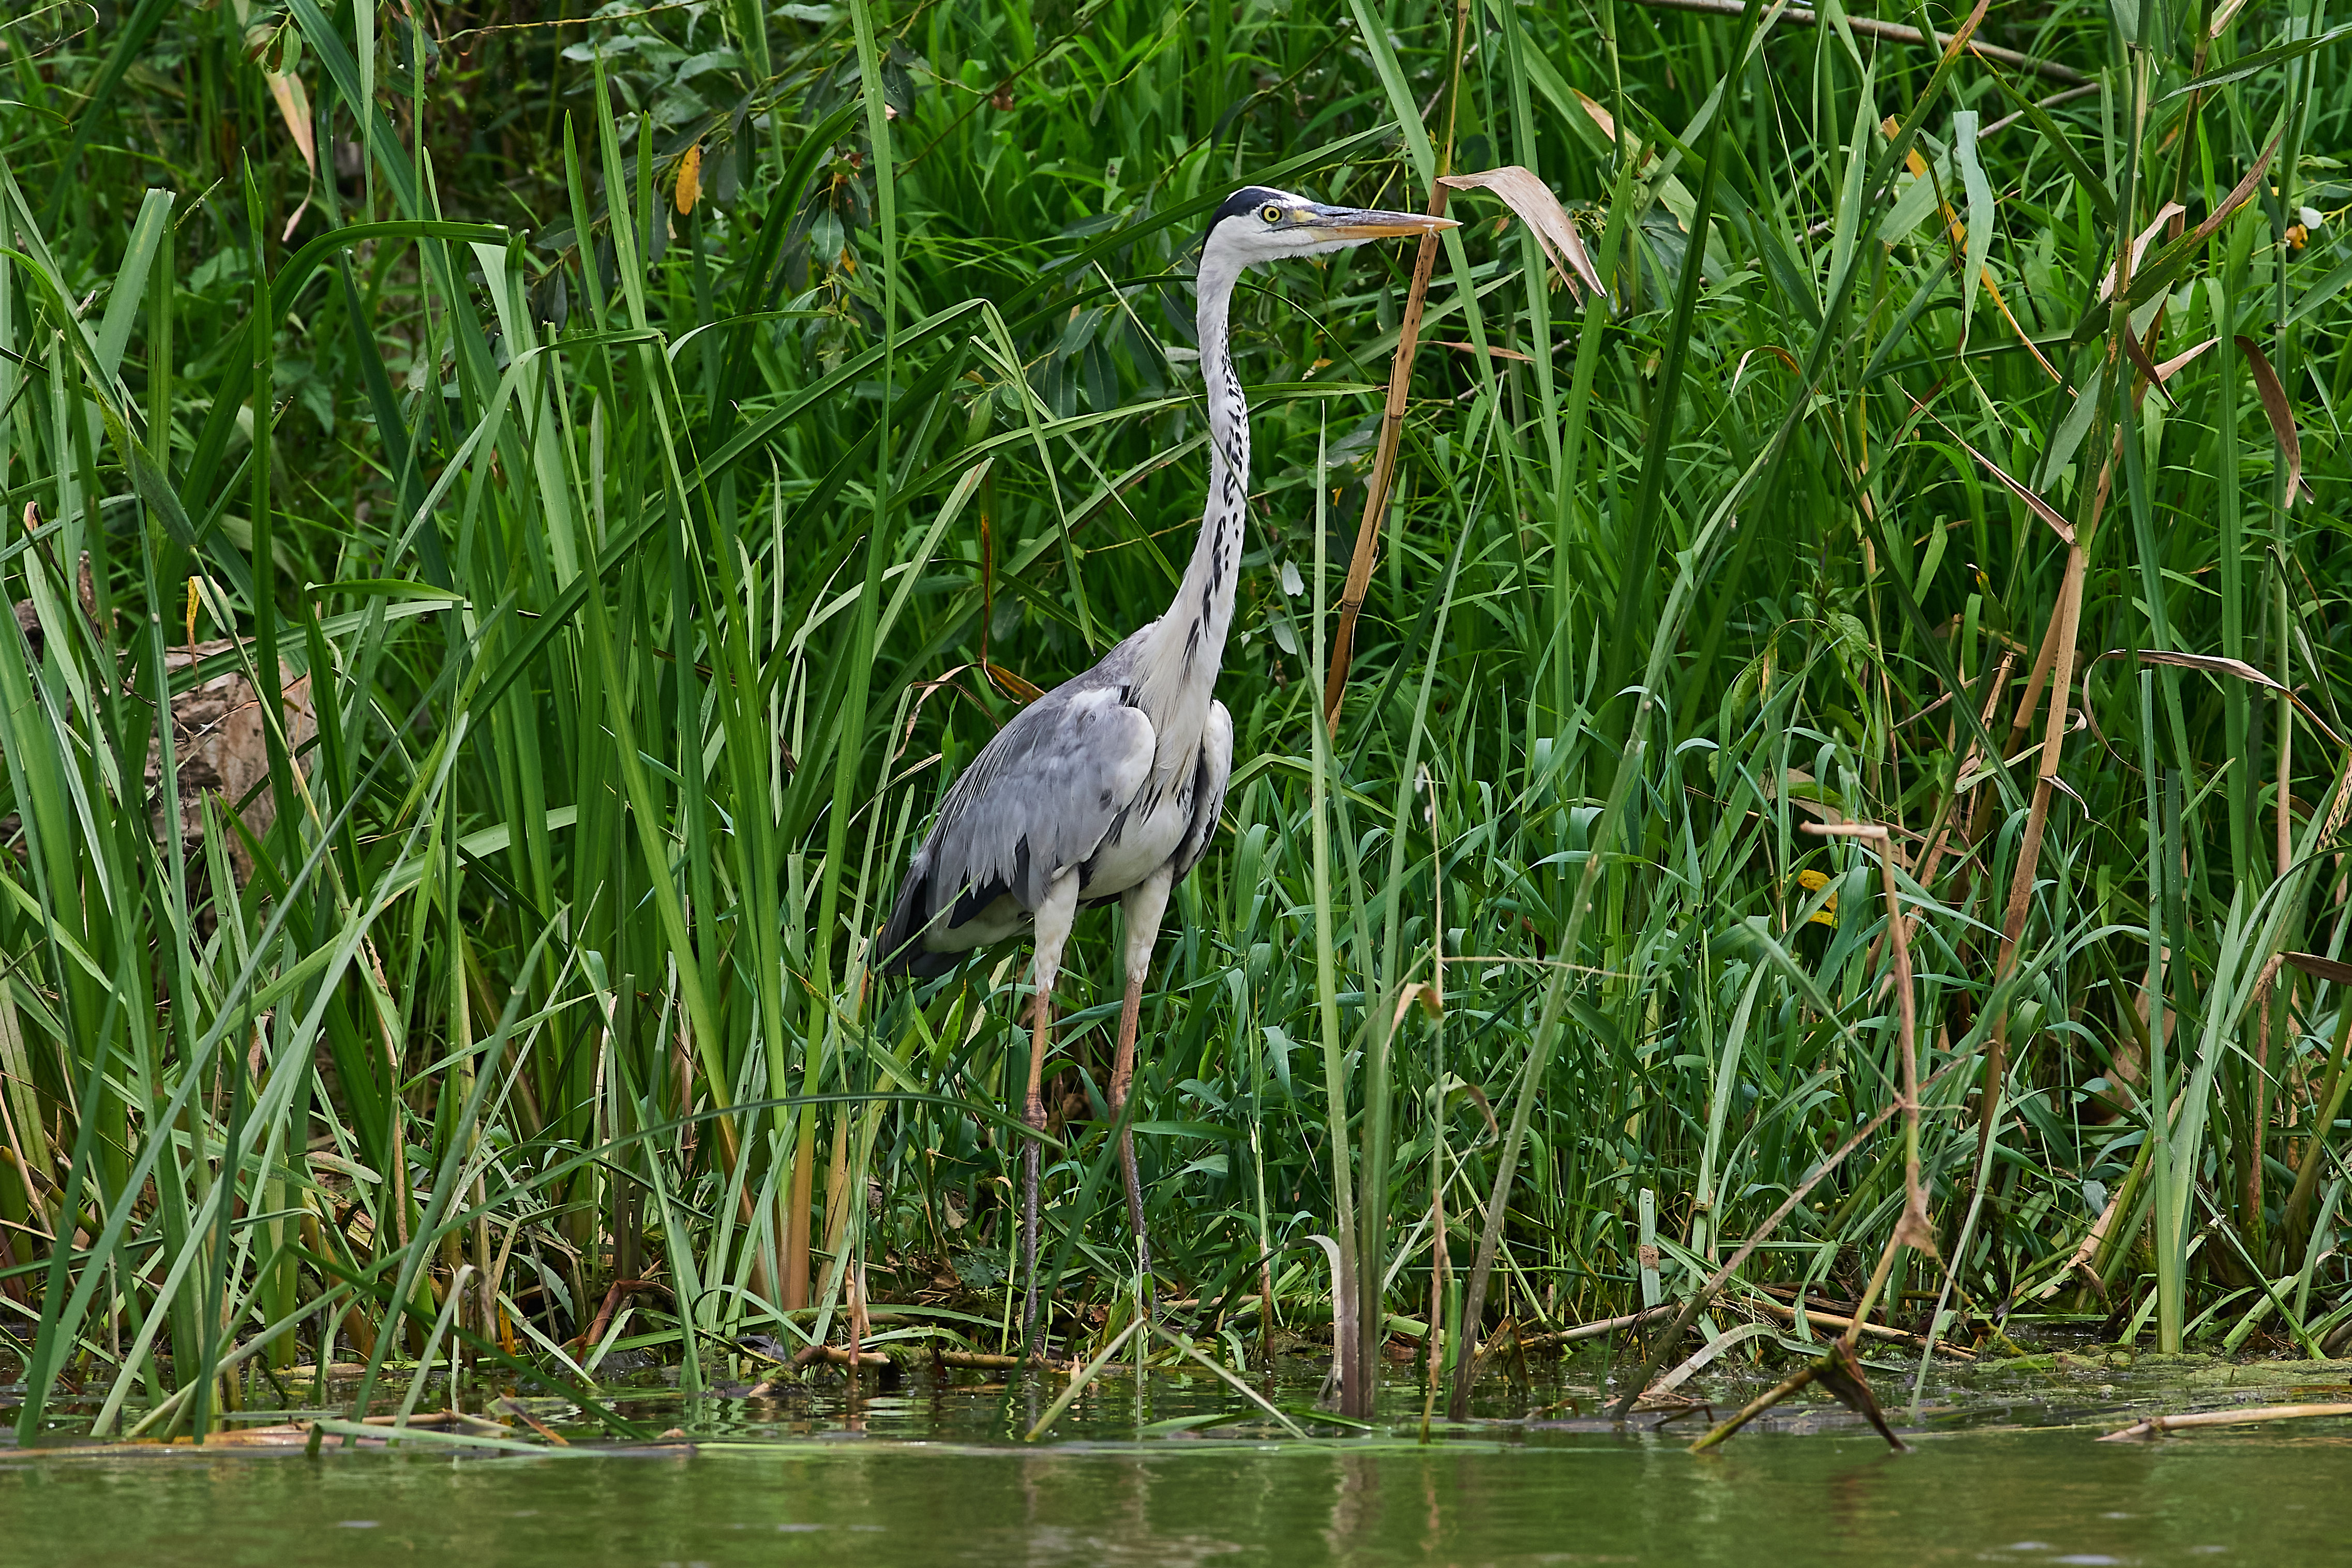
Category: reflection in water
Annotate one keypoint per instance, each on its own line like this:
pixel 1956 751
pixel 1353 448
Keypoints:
pixel 2000 1497
pixel 936 1475
pixel 1848 1514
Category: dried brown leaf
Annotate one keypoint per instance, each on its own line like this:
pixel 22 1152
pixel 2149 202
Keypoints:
pixel 1020 688
pixel 2215 665
pixel 2139 246
pixel 1599 116
pixel 2212 664
pixel 2281 414
pixel 1554 230
pixel 2321 968
pixel 294 109
pixel 2040 507
pixel 2181 361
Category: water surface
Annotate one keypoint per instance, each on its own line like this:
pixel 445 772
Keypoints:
pixel 934 1478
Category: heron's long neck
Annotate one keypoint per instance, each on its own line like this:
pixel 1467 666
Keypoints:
pixel 1181 656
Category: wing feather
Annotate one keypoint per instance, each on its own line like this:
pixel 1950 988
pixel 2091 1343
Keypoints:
pixel 1037 798
pixel 1215 771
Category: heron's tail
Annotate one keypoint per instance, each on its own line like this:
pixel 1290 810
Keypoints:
pixel 900 947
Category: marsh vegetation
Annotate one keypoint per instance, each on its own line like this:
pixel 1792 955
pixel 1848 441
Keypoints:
pixel 617 467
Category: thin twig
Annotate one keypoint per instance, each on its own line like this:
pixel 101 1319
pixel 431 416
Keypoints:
pixel 2088 90
pixel 1891 32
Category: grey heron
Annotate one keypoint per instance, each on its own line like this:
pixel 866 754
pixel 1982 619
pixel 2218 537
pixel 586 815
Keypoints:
pixel 1109 785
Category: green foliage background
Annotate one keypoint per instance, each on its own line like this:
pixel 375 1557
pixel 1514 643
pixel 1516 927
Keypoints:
pixel 642 563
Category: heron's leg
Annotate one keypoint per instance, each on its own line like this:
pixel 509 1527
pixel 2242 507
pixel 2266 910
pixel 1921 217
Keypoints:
pixel 1033 1114
pixel 1054 917
pixel 1144 904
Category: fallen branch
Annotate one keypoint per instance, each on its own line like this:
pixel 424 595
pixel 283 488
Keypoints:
pixel 1837 1321
pixel 1891 32
pixel 962 1360
pixel 1837 1370
pixel 2157 1425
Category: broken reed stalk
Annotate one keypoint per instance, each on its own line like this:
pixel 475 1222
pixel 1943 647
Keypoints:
pixel 1840 1321
pixel 1594 1330
pixel 1715 1283
pixel 1839 1370
pixel 2157 1425
pixel 1890 32
pixel 1383 475
pixel 1792 1383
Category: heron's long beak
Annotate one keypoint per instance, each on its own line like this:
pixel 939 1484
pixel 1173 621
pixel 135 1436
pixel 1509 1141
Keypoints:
pixel 1370 223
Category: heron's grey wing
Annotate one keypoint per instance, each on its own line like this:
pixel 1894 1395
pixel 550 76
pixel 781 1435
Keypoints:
pixel 1037 798
pixel 1214 771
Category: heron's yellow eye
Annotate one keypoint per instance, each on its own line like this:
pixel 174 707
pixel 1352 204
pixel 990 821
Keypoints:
pixel 1271 213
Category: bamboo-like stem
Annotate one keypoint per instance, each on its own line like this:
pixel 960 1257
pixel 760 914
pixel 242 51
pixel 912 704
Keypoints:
pixel 2157 1425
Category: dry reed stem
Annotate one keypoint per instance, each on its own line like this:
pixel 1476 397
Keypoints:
pixel 1890 32
pixel 1594 1330
pixel 1932 859
pixel 1376 489
pixel 1913 1229
pixel 2066 622
pixel 2157 1425
pixel 1875 1331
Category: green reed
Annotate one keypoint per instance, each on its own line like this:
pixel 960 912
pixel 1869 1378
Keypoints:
pixel 663 445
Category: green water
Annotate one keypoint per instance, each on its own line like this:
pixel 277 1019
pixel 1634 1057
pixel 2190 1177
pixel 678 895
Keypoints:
pixel 818 1489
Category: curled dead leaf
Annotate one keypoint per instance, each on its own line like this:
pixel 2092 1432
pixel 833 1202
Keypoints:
pixel 2140 245
pixel 1432 1000
pixel 2040 507
pixel 2181 362
pixel 2279 413
pixel 2215 665
pixel 1014 687
pixel 1555 231
pixel 2321 968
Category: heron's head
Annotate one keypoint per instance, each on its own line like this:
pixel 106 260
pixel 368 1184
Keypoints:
pixel 1258 224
